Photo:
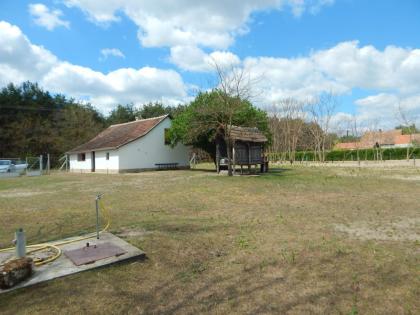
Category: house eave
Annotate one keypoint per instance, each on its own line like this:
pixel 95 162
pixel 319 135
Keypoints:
pixel 90 150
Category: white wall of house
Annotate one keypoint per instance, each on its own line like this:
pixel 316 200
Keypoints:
pixel 142 153
pixel 403 145
pixel 80 166
pixel 104 165
pixel 145 152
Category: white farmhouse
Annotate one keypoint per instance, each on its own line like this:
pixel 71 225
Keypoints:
pixel 130 147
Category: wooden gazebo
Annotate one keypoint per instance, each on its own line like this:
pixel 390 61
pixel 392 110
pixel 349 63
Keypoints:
pixel 247 149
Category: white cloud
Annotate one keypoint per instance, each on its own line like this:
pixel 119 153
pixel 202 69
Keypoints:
pixel 115 52
pixel 393 73
pixel 342 68
pixel 367 67
pixel 213 24
pixel 298 78
pixel 387 109
pixel 190 28
pixel 43 16
pixel 298 7
pixel 192 58
pixel 21 60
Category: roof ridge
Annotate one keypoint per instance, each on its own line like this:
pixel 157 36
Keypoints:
pixel 138 120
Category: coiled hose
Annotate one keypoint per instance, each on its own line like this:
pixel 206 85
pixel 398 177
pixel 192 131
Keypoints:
pixel 54 245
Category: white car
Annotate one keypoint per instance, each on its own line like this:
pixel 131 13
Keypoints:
pixel 7 166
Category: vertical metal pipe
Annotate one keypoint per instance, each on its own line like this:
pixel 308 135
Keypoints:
pixel 20 243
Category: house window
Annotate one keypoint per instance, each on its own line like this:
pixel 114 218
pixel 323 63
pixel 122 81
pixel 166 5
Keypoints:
pixel 166 135
pixel 107 155
pixel 81 157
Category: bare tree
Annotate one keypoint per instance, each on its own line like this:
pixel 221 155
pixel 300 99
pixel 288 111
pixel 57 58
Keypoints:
pixel 408 119
pixel 234 86
pixel 321 112
pixel 374 137
pixel 276 128
pixel 286 122
pixel 355 128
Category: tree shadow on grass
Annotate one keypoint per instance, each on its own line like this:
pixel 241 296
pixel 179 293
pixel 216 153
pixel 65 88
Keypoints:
pixel 203 170
pixel 205 296
pixel 276 172
pixel 229 292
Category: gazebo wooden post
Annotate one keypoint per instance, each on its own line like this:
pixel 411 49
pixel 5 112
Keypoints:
pixel 233 157
pixel 217 158
pixel 249 158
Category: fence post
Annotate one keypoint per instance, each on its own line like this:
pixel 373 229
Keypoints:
pixel 40 164
pixel 48 164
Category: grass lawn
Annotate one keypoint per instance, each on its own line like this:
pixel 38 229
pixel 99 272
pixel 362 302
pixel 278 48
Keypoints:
pixel 296 240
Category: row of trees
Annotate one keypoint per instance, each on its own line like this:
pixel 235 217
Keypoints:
pixel 313 126
pixel 33 121
pixel 298 126
pixel 126 113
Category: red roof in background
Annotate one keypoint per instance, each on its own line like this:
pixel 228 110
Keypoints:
pixel 402 139
pixel 369 139
pixel 347 145
pixel 116 136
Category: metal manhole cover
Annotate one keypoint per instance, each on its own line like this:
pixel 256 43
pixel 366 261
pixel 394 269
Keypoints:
pixel 90 254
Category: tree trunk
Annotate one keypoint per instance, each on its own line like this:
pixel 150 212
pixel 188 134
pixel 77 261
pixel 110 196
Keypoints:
pixel 229 156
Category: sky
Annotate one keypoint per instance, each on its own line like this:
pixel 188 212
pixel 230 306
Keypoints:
pixel 367 53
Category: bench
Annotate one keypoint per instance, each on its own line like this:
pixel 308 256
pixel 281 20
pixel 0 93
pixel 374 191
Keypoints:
pixel 166 166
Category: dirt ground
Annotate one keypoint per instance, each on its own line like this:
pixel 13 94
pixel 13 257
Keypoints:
pixel 298 240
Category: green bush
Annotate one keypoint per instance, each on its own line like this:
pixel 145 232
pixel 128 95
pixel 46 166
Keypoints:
pixel 350 155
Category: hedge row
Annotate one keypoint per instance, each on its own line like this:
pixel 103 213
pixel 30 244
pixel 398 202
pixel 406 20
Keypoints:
pixel 351 155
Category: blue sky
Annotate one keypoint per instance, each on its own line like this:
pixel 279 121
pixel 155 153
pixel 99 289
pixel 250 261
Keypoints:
pixel 110 52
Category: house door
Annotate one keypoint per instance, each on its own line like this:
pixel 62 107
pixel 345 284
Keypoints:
pixel 93 161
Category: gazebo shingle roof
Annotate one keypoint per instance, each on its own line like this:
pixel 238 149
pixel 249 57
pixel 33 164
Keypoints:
pixel 247 134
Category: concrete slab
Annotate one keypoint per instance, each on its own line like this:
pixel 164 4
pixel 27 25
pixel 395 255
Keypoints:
pixel 63 266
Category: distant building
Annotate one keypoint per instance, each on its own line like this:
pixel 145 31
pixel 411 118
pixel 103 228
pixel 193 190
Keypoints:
pixel 130 147
pixel 384 139
pixel 347 146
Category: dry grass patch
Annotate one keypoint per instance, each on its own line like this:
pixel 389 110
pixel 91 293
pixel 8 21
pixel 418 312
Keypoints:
pixel 239 245
pixel 404 229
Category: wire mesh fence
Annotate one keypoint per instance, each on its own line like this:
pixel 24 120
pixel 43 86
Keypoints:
pixel 14 167
pixel 34 166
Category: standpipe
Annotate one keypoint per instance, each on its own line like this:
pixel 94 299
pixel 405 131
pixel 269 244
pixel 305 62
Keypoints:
pixel 54 246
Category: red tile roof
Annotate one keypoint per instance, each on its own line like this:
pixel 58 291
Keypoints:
pixel 347 146
pixel 402 139
pixel 116 136
pixel 247 134
pixel 369 139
